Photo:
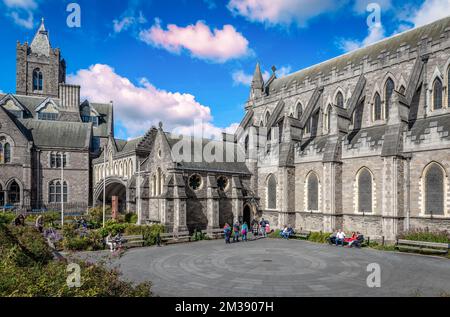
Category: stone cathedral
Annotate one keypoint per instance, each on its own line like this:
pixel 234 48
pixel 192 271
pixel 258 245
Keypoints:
pixel 359 142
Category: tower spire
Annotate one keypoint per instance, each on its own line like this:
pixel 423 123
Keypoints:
pixel 41 43
pixel 258 81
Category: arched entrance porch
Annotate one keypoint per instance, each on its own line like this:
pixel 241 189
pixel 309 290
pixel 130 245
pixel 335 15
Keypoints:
pixel 115 189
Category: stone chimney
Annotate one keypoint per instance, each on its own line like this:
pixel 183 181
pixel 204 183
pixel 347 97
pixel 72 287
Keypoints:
pixel 70 97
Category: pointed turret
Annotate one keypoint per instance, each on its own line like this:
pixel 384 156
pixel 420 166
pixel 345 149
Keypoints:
pixel 257 83
pixel 41 43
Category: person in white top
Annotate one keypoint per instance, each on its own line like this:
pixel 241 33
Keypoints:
pixel 340 236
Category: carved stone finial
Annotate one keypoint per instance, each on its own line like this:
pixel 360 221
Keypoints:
pixel 160 124
pixel 274 69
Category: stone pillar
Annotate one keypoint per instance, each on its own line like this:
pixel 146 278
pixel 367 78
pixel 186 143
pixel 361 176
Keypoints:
pixel 212 204
pixel 114 207
pixel 236 198
pixel 332 196
pixel 393 193
pixel 286 186
pixel 179 203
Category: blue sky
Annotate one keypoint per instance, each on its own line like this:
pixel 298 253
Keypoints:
pixel 175 60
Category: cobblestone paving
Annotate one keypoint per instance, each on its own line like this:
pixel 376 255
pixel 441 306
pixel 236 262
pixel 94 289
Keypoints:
pixel 272 267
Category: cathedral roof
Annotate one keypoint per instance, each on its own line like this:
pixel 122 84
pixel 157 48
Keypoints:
pixel 412 38
pixel 58 134
pixel 41 43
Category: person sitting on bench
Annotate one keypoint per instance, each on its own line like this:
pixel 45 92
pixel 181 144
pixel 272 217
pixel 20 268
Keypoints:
pixel 332 238
pixel 357 243
pixel 285 233
pixel 340 237
pixel 110 242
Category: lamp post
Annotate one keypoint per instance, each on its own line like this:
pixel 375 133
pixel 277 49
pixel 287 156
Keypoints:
pixel 62 190
pixel 104 185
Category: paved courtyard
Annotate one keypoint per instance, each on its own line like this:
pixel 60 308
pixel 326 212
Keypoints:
pixel 272 267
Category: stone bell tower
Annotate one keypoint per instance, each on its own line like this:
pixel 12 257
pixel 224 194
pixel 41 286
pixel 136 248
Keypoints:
pixel 39 68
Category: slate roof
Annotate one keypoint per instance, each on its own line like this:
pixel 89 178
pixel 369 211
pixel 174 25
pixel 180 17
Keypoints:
pixel 374 135
pixel 105 125
pixel 58 134
pixel 372 52
pixel 236 166
pixel 422 127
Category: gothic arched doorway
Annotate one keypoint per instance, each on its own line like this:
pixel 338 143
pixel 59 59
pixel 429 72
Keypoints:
pixel 247 214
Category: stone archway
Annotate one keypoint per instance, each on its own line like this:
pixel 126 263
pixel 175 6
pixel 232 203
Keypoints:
pixel 115 188
pixel 247 215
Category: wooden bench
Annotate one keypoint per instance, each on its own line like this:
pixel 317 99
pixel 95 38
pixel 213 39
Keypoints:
pixel 302 234
pixel 422 246
pixel 214 233
pixel 133 241
pixel 175 237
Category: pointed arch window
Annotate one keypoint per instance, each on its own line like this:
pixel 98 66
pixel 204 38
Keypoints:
pixel 37 80
pixel 299 110
pixel 340 100
pixel 267 117
pixel 448 87
pixel 437 94
pixel 2 196
pixel 313 192
pixel 271 192
pixel 377 107
pixel 7 153
pixel 434 190
pixel 327 119
pixel 365 191
pixel 14 193
pixel 246 142
pixel 54 191
pixel 389 90
pixel 1 154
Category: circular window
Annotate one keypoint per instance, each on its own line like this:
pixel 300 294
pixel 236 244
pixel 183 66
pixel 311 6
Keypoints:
pixel 195 182
pixel 222 182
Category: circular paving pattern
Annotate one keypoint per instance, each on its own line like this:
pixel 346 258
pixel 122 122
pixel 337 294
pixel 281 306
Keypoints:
pixel 273 267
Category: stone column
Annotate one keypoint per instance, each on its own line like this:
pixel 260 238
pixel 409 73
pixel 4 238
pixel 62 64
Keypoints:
pixel 212 203
pixel 179 203
pixel 286 185
pixel 115 207
pixel 236 198
pixel 332 196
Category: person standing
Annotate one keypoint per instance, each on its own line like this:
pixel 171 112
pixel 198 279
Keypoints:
pixel 40 223
pixel 262 227
pixel 227 233
pixel 236 232
pixel 244 231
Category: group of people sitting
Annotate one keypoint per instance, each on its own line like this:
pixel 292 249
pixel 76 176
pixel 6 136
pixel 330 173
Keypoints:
pixel 261 228
pixel 287 232
pixel 339 238
pixel 114 242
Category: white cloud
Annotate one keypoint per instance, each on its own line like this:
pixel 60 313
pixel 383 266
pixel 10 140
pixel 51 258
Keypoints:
pixel 218 45
pixel 429 11
pixel 138 107
pixel 242 78
pixel 22 4
pixel 127 21
pixel 282 12
pixel 21 12
pixel 376 33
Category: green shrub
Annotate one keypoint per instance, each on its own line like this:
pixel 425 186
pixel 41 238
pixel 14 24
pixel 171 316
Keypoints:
pixel 426 235
pixel 319 237
pixel 23 246
pixel 198 236
pixel 151 233
pixel 7 217
pixel 91 242
pixel 95 215
pixel 275 234
pixel 113 228
pixel 131 217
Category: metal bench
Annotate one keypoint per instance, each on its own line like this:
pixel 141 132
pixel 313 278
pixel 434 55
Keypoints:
pixel 422 246
pixel 175 237
pixel 302 234
pixel 133 241
pixel 214 233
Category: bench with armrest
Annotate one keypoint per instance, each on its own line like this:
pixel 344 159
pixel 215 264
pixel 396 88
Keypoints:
pixel 302 234
pixel 213 233
pixel 175 237
pixel 133 241
pixel 422 246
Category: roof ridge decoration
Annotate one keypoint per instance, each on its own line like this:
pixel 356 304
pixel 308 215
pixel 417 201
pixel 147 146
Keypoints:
pixel 45 102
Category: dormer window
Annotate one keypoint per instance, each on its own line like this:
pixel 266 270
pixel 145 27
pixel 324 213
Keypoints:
pixel 14 109
pixel 37 80
pixel 93 119
pixel 47 111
